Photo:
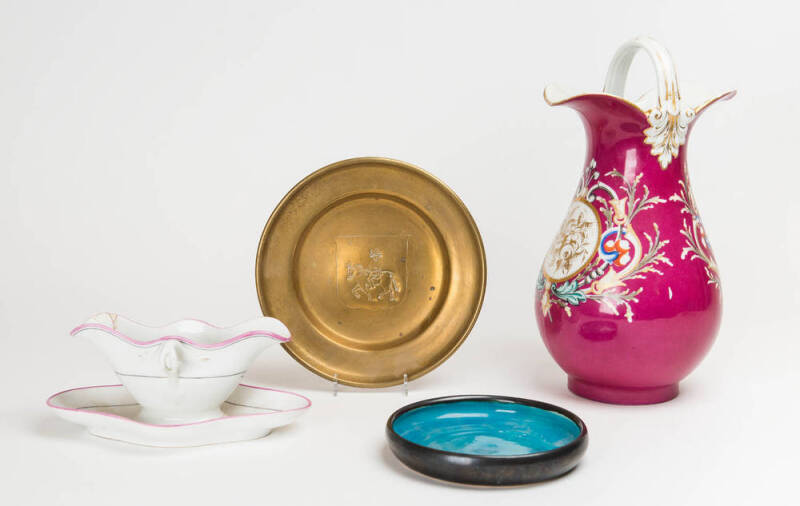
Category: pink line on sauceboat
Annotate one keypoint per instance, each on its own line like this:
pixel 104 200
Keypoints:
pixel 186 340
pixel 198 320
pixel 112 415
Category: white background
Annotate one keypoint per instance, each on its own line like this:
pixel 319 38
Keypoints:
pixel 144 144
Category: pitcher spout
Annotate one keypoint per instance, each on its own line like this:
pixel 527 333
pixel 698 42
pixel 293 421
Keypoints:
pixel 696 100
pixel 712 98
pixel 663 116
pixel 628 299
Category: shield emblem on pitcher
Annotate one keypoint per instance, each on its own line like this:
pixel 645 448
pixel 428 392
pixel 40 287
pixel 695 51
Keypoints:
pixel 629 299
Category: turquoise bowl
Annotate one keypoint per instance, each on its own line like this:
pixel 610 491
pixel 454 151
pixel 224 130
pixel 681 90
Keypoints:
pixel 487 440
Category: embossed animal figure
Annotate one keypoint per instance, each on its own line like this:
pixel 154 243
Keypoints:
pixel 373 282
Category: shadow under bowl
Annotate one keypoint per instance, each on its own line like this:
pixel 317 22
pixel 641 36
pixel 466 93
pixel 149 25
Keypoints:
pixel 486 439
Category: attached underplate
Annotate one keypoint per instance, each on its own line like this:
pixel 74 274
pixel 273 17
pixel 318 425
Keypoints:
pixel 377 269
pixel 108 411
pixel 487 440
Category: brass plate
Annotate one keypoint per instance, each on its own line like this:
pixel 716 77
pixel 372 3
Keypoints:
pixel 376 267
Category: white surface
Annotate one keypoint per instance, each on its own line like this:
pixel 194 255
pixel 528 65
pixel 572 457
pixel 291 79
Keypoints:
pixel 111 412
pixel 180 372
pixel 143 146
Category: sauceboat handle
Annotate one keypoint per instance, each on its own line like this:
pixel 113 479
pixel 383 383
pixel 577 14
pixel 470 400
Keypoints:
pixel 669 96
pixel 170 359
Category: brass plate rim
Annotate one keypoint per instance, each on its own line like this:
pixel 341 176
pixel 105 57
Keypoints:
pixel 473 228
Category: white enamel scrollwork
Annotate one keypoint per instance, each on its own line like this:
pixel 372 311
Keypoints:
pixel 669 119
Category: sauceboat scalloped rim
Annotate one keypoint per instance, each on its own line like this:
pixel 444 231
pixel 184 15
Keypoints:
pixel 184 371
pixel 184 339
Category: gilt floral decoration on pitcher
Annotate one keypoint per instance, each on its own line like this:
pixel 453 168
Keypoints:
pixel 628 297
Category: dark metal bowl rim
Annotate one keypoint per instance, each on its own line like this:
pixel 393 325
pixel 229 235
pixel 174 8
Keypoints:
pixel 525 458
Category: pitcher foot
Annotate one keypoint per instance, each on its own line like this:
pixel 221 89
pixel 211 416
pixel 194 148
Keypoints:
pixel 622 395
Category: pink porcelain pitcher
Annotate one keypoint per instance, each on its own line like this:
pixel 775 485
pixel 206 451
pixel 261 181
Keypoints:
pixel 629 299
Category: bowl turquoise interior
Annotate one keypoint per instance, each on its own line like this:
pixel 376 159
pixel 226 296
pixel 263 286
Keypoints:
pixel 490 427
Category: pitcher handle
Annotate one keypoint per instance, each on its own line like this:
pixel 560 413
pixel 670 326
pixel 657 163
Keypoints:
pixel 668 94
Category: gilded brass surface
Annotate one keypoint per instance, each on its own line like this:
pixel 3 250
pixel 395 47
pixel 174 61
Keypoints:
pixel 376 267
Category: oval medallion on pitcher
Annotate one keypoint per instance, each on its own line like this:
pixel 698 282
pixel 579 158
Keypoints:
pixel 575 244
pixel 629 300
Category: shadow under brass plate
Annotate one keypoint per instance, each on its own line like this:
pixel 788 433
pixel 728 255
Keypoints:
pixel 377 269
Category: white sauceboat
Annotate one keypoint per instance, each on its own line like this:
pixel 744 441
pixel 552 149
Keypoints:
pixel 182 372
